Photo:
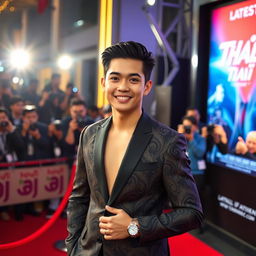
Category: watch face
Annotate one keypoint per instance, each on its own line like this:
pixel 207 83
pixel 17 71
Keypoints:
pixel 133 230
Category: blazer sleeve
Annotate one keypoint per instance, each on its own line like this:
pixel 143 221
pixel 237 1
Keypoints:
pixel 78 201
pixel 181 190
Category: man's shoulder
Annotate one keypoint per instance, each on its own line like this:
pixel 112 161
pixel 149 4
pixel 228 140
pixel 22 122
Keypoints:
pixel 92 128
pixel 162 129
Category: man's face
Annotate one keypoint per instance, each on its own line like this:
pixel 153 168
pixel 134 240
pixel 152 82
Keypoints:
pixel 193 113
pixel 30 117
pixel 56 82
pixel 78 111
pixel 251 142
pixel 17 108
pixel 125 86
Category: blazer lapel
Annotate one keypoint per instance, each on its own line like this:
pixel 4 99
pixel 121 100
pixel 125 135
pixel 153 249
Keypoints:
pixel 137 145
pixel 99 149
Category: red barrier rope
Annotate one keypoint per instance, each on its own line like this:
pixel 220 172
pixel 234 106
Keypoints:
pixel 49 223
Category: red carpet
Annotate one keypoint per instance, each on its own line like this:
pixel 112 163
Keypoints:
pixel 181 245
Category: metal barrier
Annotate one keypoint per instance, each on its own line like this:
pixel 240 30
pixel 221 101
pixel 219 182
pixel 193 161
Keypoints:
pixel 51 221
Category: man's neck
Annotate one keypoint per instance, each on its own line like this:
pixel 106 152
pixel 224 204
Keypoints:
pixel 125 121
pixel 16 116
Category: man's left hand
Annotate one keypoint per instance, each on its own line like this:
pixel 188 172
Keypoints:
pixel 115 227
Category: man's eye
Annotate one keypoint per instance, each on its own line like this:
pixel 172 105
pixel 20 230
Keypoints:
pixel 134 80
pixel 114 78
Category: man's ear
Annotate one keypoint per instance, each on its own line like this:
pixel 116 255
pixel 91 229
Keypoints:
pixel 147 87
pixel 102 81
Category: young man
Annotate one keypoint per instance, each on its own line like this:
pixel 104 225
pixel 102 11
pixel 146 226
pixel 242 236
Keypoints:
pixel 129 167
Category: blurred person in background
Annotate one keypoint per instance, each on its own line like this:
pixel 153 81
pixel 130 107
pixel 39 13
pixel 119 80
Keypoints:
pixel 196 147
pixel 5 93
pixel 29 93
pixel 215 135
pixel 196 151
pixel 94 113
pixel 71 92
pixel 192 111
pixel 11 150
pixel 35 135
pixel 49 107
pixel 16 107
pixel 247 148
pixel 73 125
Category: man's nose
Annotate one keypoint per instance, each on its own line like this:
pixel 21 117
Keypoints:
pixel 123 86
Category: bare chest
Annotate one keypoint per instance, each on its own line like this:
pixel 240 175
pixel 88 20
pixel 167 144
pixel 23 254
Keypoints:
pixel 115 150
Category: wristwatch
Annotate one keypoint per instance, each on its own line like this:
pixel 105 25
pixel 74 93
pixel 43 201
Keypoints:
pixel 133 228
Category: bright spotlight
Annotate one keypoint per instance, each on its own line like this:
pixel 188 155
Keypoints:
pixel 15 79
pixel 151 2
pixel 20 59
pixel 65 62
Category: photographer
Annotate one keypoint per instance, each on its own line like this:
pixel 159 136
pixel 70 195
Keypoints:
pixel 11 143
pixel 196 148
pixel 73 125
pixel 35 135
pixel 215 135
pixel 11 149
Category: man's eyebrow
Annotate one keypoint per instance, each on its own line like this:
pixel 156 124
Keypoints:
pixel 114 73
pixel 135 74
pixel 131 74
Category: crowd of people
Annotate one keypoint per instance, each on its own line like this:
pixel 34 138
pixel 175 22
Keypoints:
pixel 42 126
pixel 203 139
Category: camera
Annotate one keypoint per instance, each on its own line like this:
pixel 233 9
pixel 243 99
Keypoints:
pixel 210 128
pixel 187 129
pixel 3 124
pixel 33 127
pixel 57 124
pixel 81 122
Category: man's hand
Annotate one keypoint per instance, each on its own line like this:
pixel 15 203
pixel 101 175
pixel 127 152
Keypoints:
pixel 241 147
pixel 115 227
pixel 73 125
pixel 35 133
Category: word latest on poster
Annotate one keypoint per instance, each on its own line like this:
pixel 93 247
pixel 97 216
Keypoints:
pixel 243 12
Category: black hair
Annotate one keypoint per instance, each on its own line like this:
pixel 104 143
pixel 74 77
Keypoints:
pixel 15 99
pixel 4 110
pixel 191 119
pixel 191 108
pixel 129 50
pixel 76 102
pixel 93 108
pixel 28 109
pixel 55 75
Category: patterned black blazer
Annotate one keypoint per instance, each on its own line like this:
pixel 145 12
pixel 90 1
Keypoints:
pixel 154 172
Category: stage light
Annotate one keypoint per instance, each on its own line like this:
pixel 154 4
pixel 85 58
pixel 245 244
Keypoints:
pixel 19 59
pixel 78 23
pixel 15 80
pixel 65 62
pixel 151 2
pixel 194 60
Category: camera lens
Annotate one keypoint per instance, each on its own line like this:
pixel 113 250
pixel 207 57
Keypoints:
pixel 187 129
pixel 3 124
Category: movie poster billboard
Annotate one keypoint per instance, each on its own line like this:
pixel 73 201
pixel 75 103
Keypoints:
pixel 232 78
